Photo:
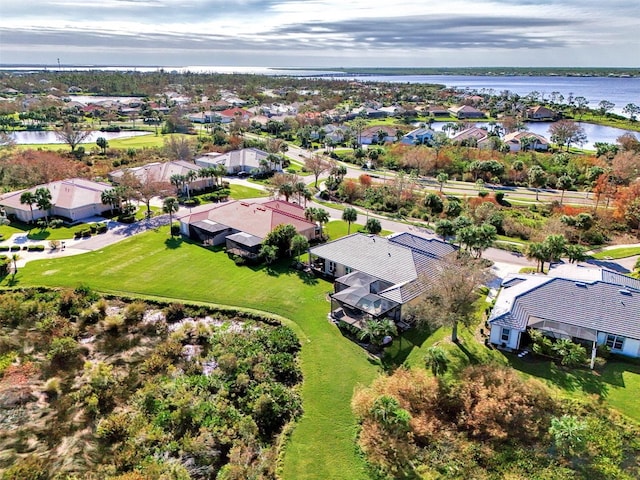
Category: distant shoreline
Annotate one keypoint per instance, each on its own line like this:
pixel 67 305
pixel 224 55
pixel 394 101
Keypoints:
pixel 622 72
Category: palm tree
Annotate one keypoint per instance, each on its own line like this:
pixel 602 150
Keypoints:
pixel 286 189
pixel 321 216
pixel 349 215
pixel 436 359
pixel 442 178
pixel 188 178
pixel 170 205
pixel 565 182
pixel 43 201
pixel 110 197
pixel 538 252
pixel 14 258
pixel 177 181
pixel 299 244
pixel 28 198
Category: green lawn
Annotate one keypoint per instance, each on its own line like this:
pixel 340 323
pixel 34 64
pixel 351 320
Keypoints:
pixel 616 253
pixel 322 444
pixel 142 141
pixel 35 233
pixel 339 228
pixel 242 192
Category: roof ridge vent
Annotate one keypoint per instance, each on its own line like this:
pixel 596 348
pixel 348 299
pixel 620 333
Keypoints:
pixel 624 291
pixel 581 284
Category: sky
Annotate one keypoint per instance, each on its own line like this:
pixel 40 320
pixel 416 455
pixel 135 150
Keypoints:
pixel 321 33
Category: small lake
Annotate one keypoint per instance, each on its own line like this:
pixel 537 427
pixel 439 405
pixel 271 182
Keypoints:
pixel 595 133
pixel 40 137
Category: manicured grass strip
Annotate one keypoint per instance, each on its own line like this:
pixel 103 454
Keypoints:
pixel 338 229
pixel 322 444
pixel 616 253
pixel 242 192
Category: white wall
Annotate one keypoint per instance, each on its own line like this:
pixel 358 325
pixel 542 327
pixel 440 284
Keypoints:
pixel 496 333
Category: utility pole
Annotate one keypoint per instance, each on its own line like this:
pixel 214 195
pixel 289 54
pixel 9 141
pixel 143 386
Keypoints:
pixel 59 64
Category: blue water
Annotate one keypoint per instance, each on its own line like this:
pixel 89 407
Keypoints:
pixel 620 91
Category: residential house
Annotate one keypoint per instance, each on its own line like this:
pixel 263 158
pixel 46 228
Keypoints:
pixel 437 111
pixel 378 135
pixel 588 305
pixel 466 111
pixel 206 117
pixel 419 136
pixel 162 173
pixel 230 114
pixel 473 137
pixel 74 199
pixel 236 161
pixel 541 114
pixel 375 277
pixel 242 226
pixel 533 141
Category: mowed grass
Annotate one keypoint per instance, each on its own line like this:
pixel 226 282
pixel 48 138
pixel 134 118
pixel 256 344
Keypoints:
pixel 616 253
pixel 617 384
pixel 322 445
pixel 339 228
pixel 142 141
pixel 242 192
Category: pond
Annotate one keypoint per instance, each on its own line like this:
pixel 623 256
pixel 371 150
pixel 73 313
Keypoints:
pixel 40 137
pixel 595 133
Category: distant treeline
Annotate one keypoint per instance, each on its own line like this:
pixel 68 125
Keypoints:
pixel 489 71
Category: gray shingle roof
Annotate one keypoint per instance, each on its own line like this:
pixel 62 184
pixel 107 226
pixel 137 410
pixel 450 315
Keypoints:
pixel 428 246
pixel 602 306
pixel 373 255
pixel 408 262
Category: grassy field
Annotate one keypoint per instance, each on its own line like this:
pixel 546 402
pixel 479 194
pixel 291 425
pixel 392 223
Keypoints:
pixel 142 141
pixel 242 192
pixel 339 228
pixel 322 444
pixel 616 253
pixel 36 233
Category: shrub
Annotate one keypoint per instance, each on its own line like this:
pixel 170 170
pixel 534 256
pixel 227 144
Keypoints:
pixel 52 387
pixel 15 248
pixel 114 428
pixel 113 323
pixel 63 349
pixel 175 230
pixel 28 468
pixel 36 248
pixel 4 248
pixel 174 312
pixel 134 312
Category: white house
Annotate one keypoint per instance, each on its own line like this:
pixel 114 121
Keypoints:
pixel 590 305
pixel 534 141
pixel 236 161
pixel 75 199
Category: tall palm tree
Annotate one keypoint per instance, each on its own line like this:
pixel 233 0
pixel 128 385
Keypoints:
pixel 286 189
pixel 28 198
pixel 43 201
pixel 14 258
pixel 177 181
pixel 170 205
pixel 349 215
pixel 110 197
pixel 189 178
pixel 321 216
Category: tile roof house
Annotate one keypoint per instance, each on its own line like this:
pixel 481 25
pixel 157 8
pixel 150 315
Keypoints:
pixel 378 134
pixel 478 136
pixel 242 226
pixel 588 305
pixel 162 172
pixel 375 276
pixel 536 142
pixel 419 136
pixel 75 199
pixel 466 111
pixel 541 113
pixel 236 161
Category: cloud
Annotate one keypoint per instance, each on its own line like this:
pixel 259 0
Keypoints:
pixel 473 29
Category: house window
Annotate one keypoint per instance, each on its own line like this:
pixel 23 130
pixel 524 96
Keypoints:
pixel 615 342
pixel 347 270
pixel 332 267
pixel 504 336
